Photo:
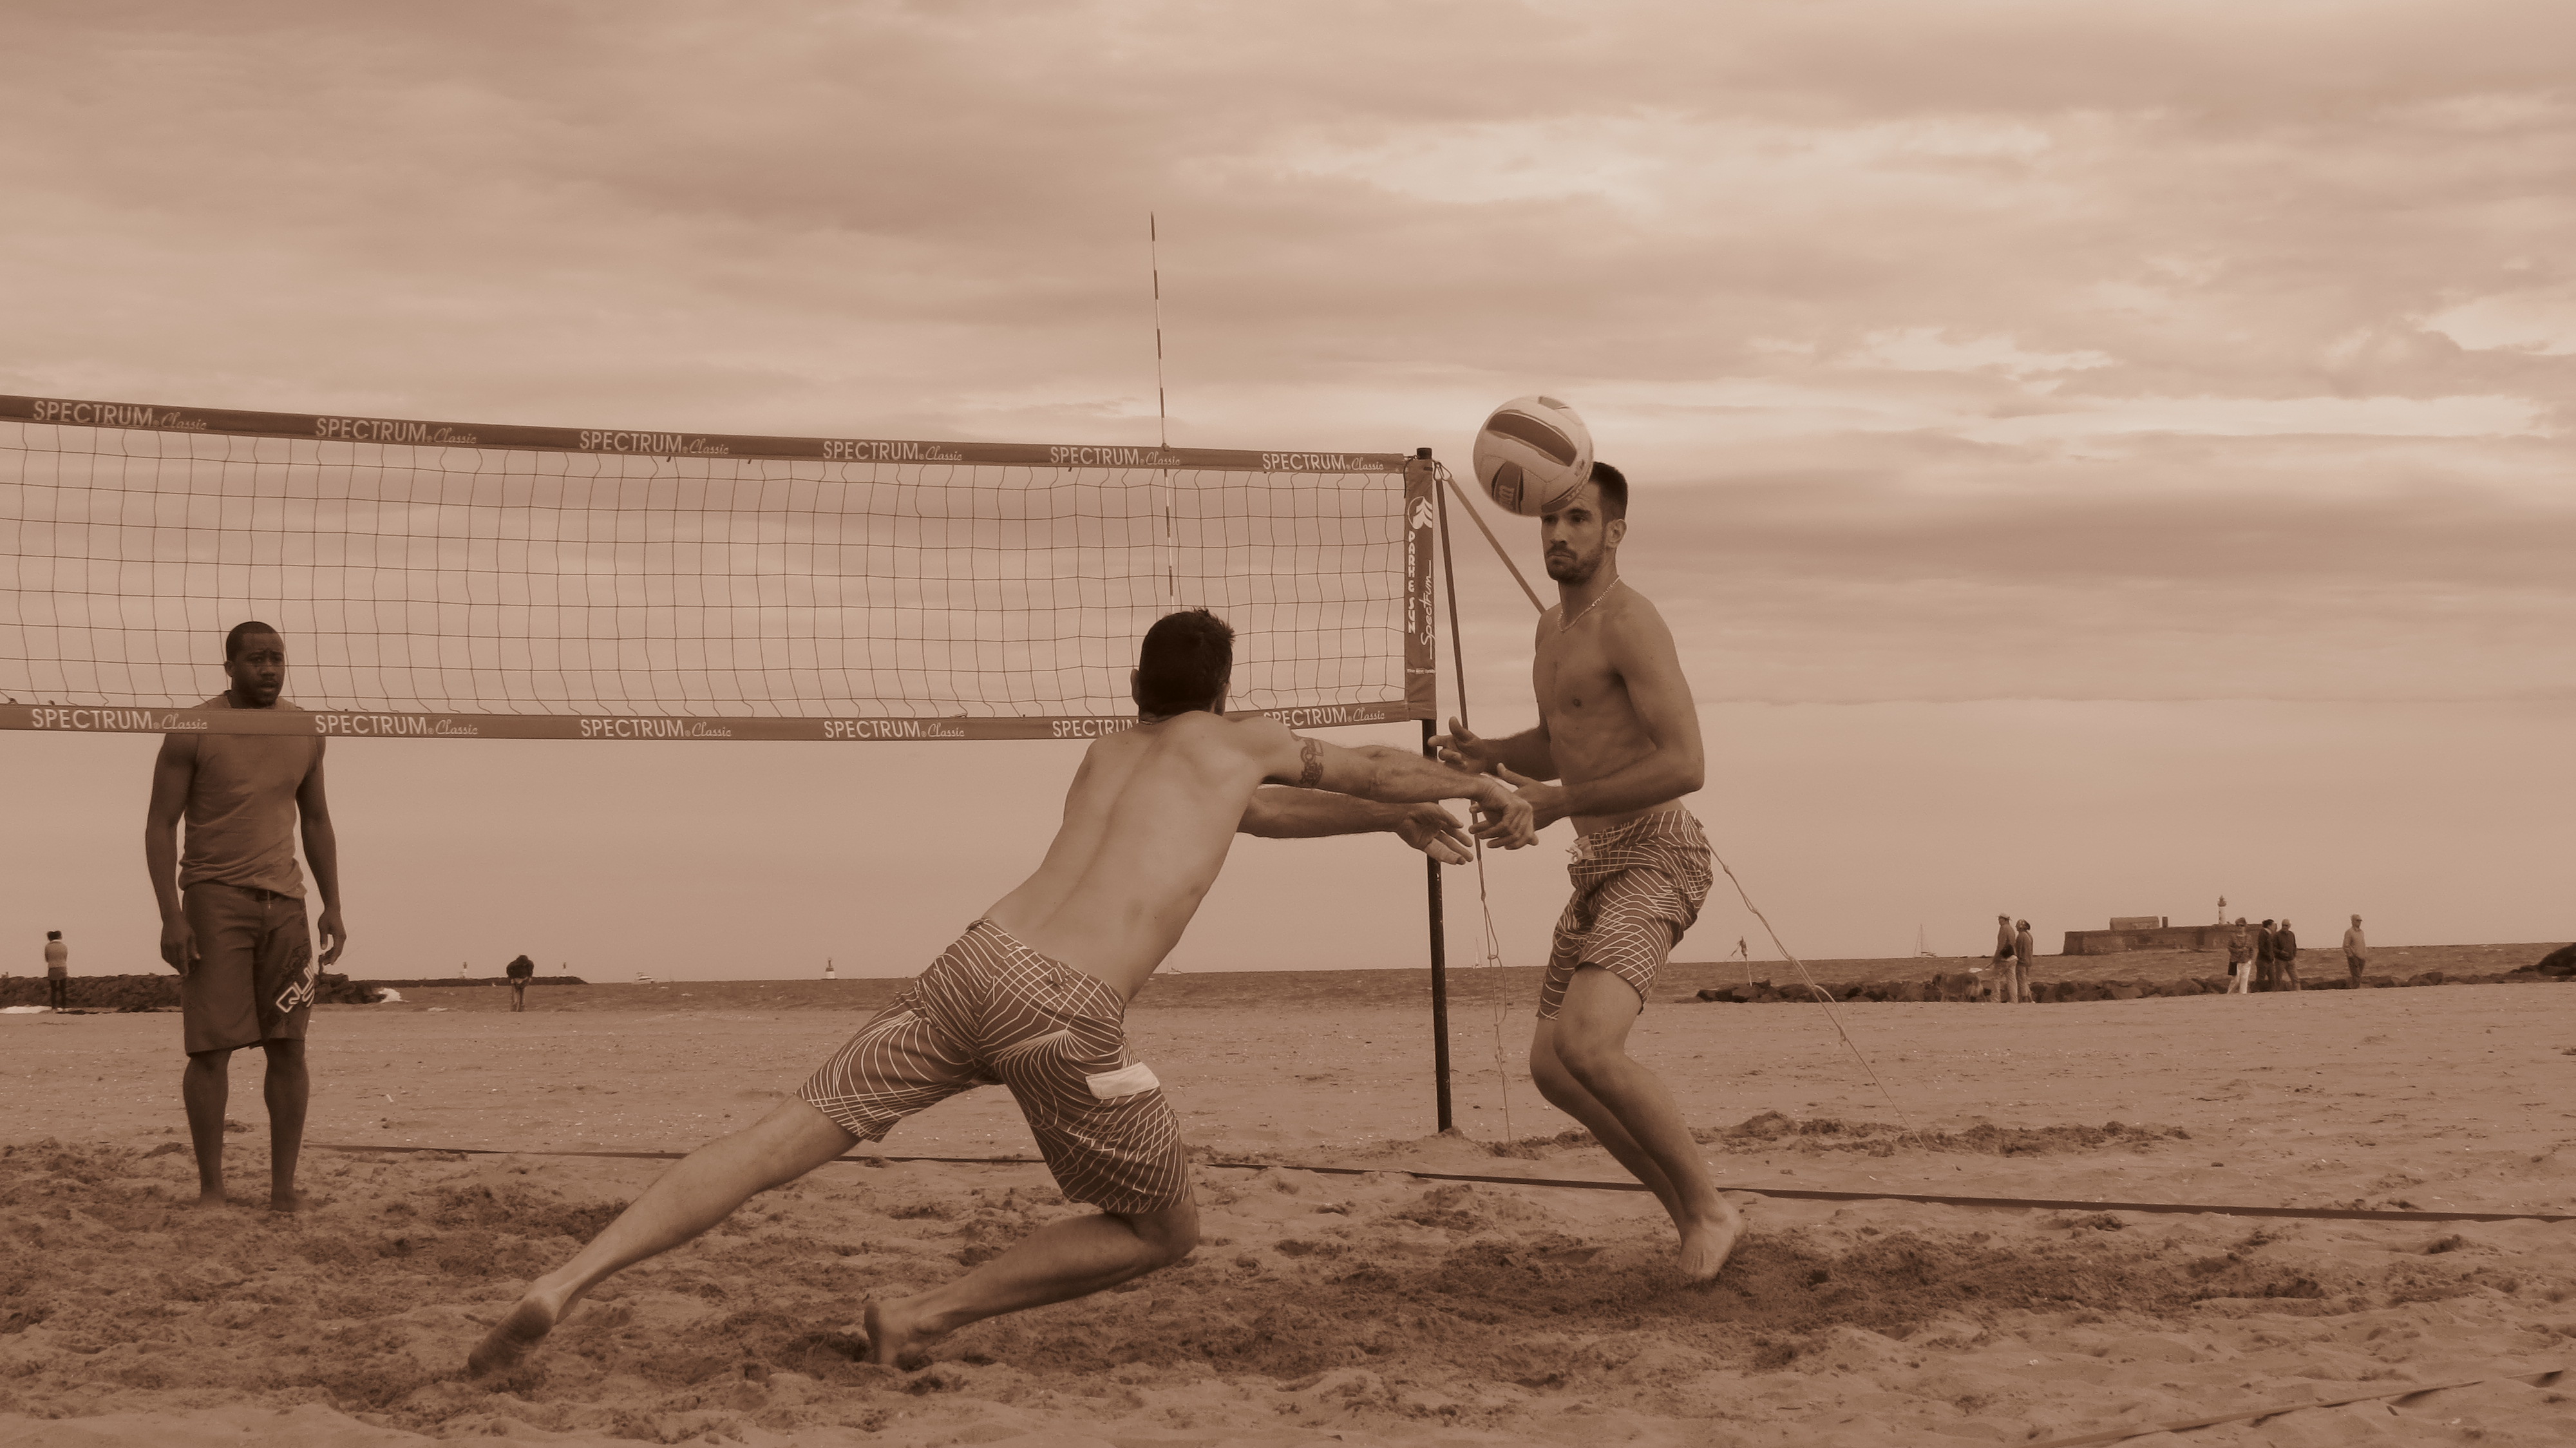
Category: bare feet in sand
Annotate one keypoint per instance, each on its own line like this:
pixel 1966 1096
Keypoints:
pixel 1706 1245
pixel 288 1201
pixel 211 1197
pixel 513 1337
pixel 894 1340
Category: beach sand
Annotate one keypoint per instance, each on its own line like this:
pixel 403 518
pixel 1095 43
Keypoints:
pixel 1368 1309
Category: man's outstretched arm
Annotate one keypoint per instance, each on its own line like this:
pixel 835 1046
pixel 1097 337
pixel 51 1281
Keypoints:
pixel 1278 812
pixel 1389 776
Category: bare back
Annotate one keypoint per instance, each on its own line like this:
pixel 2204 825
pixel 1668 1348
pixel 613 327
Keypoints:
pixel 1146 828
pixel 1609 689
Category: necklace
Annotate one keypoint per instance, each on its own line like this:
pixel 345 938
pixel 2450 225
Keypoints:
pixel 1587 608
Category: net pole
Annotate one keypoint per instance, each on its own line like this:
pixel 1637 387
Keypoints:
pixel 1439 971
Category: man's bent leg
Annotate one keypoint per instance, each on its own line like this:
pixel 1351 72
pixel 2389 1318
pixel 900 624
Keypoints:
pixel 287 1089
pixel 1566 1094
pixel 702 1190
pixel 1588 1040
pixel 1056 1263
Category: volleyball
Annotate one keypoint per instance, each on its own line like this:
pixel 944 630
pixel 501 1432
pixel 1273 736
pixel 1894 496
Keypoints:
pixel 1532 455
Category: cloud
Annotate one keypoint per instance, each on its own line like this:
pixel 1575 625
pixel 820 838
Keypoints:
pixel 2108 282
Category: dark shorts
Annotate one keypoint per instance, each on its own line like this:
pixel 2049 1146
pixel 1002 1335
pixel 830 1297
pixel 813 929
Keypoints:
pixel 255 974
pixel 990 1011
pixel 1637 887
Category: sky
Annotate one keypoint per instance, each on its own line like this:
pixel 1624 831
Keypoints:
pixel 2094 458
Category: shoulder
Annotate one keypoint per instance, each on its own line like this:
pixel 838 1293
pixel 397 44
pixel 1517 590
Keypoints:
pixel 1254 734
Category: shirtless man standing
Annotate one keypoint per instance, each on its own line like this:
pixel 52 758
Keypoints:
pixel 1034 996
pixel 1617 725
pixel 232 910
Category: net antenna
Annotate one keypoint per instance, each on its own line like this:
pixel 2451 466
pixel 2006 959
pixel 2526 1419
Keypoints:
pixel 1154 258
pixel 1162 410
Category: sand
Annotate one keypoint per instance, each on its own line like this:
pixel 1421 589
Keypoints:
pixel 1374 1309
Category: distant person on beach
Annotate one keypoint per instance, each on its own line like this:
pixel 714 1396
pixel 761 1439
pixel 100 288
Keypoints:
pixel 2356 952
pixel 58 972
pixel 2266 944
pixel 2285 957
pixel 1034 997
pixel 520 971
pixel 1617 724
pixel 232 909
pixel 2240 959
pixel 2024 947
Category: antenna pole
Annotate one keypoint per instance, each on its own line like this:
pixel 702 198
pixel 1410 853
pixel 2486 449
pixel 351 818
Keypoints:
pixel 1154 253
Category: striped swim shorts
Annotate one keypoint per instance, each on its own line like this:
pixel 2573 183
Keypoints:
pixel 1637 887
pixel 990 1011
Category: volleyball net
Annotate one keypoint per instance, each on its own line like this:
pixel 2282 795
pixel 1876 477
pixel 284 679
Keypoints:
pixel 467 580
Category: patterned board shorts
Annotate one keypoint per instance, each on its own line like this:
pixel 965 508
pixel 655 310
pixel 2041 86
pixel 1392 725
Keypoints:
pixel 1637 887
pixel 990 1011
pixel 254 977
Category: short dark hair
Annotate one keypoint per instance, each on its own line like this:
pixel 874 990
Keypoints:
pixel 53 935
pixel 1184 662
pixel 1614 490
pixel 233 640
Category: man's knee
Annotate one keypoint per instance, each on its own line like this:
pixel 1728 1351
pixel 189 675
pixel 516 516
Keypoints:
pixel 285 1051
pixel 1170 1233
pixel 1586 1063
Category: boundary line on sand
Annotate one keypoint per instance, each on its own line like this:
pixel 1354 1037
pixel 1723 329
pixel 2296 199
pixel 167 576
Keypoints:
pixel 2045 1204
pixel 2537 1377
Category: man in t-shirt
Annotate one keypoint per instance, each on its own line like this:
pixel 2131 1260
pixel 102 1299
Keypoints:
pixel 58 979
pixel 232 907
pixel 519 971
pixel 2356 952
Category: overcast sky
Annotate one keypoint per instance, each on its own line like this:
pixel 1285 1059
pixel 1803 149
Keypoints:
pixel 2130 381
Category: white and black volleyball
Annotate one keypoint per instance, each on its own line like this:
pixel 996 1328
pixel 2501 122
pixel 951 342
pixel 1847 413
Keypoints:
pixel 1533 455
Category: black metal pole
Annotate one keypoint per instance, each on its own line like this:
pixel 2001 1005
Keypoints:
pixel 1439 972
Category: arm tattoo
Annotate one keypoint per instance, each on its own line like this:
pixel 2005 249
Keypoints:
pixel 1312 750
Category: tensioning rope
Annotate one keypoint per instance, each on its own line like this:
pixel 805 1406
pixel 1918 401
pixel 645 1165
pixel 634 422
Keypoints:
pixel 1793 1194
pixel 1823 996
pixel 1499 996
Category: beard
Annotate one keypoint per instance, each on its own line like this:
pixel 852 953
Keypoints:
pixel 1567 567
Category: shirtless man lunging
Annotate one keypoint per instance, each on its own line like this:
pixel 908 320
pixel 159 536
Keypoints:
pixel 1034 996
pixel 1616 724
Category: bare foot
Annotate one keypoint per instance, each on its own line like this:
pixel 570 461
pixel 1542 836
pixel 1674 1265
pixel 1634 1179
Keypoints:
pixel 1706 1245
pixel 210 1197
pixel 512 1338
pixel 893 1340
pixel 288 1201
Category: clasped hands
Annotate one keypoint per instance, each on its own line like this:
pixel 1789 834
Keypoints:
pixel 1513 814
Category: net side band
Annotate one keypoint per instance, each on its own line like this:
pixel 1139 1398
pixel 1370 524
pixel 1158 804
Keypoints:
pixel 407 432
pixel 366 724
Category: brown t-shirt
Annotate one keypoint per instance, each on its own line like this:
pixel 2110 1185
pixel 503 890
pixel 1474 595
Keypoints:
pixel 241 808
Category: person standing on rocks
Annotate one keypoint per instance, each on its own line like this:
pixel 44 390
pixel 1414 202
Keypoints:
pixel 2240 959
pixel 2356 952
pixel 232 908
pixel 2285 958
pixel 58 977
pixel 2266 958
